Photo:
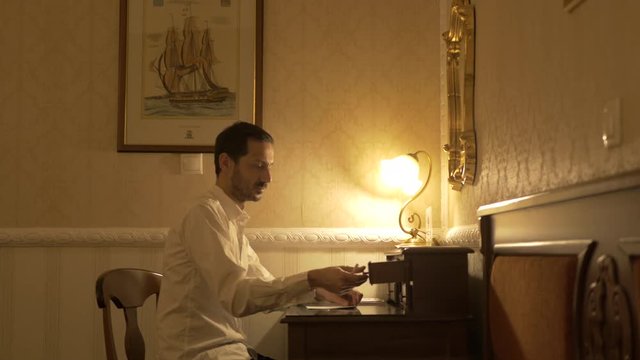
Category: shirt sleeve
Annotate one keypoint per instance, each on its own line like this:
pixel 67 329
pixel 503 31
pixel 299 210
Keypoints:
pixel 256 269
pixel 207 239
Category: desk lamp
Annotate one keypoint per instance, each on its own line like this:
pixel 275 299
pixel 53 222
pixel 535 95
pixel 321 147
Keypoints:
pixel 404 172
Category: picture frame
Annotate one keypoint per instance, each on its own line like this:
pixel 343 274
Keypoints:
pixel 187 70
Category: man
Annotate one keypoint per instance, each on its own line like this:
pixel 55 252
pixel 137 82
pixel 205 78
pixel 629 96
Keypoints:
pixel 212 276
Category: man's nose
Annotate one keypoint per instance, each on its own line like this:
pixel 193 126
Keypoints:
pixel 266 175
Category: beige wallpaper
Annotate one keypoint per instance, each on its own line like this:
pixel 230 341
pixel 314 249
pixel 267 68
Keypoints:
pixel 543 76
pixel 346 83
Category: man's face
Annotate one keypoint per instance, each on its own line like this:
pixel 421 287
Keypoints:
pixel 252 172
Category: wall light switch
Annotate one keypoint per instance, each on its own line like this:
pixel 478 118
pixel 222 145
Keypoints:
pixel 191 164
pixel 428 218
pixel 611 123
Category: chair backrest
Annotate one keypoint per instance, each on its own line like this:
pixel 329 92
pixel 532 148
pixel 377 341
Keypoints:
pixel 127 289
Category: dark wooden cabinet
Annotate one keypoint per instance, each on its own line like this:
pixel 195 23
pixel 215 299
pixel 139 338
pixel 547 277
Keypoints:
pixel 380 331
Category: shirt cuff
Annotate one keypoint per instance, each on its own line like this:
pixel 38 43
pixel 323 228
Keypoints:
pixel 299 283
pixel 307 298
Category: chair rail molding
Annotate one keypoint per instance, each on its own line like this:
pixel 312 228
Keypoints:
pixel 464 235
pixel 155 237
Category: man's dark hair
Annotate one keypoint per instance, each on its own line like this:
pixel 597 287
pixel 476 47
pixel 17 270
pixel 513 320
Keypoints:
pixel 234 139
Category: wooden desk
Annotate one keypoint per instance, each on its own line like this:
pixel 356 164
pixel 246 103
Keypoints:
pixel 377 331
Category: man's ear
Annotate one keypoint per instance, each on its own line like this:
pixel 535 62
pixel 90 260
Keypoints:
pixel 225 161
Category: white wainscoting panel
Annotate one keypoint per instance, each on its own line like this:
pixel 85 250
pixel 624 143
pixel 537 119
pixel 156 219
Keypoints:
pixel 48 309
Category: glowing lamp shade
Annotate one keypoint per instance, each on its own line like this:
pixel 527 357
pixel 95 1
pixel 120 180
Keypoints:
pixel 401 172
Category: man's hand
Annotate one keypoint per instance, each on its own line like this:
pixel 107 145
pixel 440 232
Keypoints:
pixel 337 279
pixel 351 297
pixel 353 269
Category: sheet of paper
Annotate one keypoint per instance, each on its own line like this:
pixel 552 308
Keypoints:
pixel 328 307
pixel 371 300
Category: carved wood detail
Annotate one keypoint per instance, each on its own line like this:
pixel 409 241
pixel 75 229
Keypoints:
pixel 607 327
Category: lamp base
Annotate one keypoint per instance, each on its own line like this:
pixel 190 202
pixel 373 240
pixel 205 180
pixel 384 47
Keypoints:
pixel 414 242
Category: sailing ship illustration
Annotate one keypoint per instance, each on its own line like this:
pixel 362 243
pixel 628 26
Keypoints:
pixel 185 66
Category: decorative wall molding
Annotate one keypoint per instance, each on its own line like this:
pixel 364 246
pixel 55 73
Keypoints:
pixel 83 237
pixel 155 237
pixel 324 236
pixel 466 235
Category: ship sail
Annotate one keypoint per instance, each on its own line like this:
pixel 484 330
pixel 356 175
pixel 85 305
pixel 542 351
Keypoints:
pixel 171 63
pixel 185 67
pixel 209 59
pixel 190 44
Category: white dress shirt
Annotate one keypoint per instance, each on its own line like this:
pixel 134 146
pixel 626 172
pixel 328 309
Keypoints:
pixel 212 276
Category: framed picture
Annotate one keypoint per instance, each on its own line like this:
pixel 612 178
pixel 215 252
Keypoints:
pixel 187 70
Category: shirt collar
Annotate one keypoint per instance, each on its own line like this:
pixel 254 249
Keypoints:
pixel 230 207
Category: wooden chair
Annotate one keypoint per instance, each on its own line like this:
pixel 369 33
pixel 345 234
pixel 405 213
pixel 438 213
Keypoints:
pixel 128 289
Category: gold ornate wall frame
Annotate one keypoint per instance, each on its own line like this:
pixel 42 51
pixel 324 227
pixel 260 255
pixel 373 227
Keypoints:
pixel 460 40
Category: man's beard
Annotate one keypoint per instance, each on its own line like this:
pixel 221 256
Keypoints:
pixel 243 193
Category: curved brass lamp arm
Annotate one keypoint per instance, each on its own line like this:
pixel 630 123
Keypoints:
pixel 415 231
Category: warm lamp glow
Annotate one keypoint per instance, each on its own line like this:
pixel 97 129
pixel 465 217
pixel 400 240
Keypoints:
pixel 401 172
pixel 404 172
